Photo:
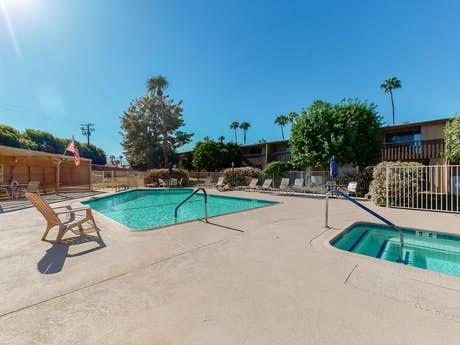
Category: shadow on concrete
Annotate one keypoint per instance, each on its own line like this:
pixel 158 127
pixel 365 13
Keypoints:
pixel 54 258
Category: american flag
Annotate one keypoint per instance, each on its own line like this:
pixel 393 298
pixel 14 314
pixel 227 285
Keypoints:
pixel 72 148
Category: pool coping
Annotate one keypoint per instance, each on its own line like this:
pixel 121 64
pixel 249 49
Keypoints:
pixel 131 230
pixel 430 274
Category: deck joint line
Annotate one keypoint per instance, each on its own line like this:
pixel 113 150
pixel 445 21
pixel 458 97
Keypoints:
pixel 111 278
pixel 349 274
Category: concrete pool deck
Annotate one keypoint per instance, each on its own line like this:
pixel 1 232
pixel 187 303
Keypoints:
pixel 263 276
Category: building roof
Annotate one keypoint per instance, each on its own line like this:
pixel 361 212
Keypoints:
pixel 267 142
pixel 413 124
pixel 18 152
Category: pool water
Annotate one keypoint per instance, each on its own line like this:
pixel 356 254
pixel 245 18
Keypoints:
pixel 428 250
pixel 144 209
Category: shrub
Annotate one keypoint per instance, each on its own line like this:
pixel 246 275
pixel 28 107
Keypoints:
pixel 276 170
pixel 153 175
pixel 210 155
pixel 240 176
pixel 378 187
pixel 452 134
pixel 350 130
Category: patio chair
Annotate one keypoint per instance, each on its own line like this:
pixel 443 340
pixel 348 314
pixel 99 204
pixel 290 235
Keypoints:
pixel 162 183
pixel 76 217
pixel 351 188
pixel 32 187
pixel 173 182
pixel 266 185
pixel 284 185
pixel 298 185
pixel 252 184
pixel 220 182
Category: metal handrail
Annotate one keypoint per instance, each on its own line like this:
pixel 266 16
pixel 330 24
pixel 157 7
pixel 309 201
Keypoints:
pixel 368 210
pixel 187 198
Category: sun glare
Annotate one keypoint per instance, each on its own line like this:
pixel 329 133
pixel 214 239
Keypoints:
pixel 14 11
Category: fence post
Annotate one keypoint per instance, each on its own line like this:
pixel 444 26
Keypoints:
pixel 387 185
pixel 326 215
pixel 112 177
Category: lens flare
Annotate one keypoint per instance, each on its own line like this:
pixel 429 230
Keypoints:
pixel 10 28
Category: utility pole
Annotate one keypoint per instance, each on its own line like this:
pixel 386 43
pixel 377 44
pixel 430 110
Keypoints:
pixel 87 129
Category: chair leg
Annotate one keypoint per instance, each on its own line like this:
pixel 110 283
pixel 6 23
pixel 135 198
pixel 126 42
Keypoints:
pixel 48 228
pixel 62 231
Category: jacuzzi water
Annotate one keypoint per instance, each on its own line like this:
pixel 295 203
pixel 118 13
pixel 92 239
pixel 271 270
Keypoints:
pixel 144 209
pixel 432 251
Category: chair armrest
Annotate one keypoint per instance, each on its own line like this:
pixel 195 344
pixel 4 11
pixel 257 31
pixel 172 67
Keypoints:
pixel 66 206
pixel 72 210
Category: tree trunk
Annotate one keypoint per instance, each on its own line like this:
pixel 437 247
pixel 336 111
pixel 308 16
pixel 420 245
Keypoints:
pixel 282 131
pixel 236 137
pixel 165 134
pixel 392 106
pixel 244 134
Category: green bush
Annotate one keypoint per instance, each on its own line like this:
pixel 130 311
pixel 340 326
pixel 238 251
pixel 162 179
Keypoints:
pixel 153 175
pixel 276 170
pixel 452 134
pixel 378 187
pixel 240 176
pixel 10 136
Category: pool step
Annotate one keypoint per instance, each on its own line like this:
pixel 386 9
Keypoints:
pixel 358 241
pixel 382 249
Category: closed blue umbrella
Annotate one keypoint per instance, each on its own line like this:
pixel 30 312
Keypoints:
pixel 333 167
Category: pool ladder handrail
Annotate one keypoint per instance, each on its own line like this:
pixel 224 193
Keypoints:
pixel 368 210
pixel 187 198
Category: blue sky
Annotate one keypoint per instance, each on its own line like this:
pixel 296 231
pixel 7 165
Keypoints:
pixel 65 62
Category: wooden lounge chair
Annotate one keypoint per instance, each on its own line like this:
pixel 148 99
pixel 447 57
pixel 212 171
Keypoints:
pixel 76 217
pixel 284 185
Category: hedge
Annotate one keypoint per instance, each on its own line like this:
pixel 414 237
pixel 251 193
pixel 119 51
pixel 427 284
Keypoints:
pixel 240 176
pixel 153 175
pixel 378 187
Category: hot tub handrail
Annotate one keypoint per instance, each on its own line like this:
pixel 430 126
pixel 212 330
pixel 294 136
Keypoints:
pixel 187 198
pixel 368 210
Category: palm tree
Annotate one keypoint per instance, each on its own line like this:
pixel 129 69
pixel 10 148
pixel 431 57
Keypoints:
pixel 282 121
pixel 221 139
pixel 244 126
pixel 388 86
pixel 120 158
pixel 112 159
pixel 292 116
pixel 235 125
pixel 156 85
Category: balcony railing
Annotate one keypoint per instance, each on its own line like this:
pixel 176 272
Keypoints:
pixel 414 150
pixel 255 159
pixel 282 156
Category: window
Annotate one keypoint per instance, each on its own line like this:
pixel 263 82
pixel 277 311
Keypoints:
pixel 403 137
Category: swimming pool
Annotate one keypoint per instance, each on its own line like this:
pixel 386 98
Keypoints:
pixel 432 251
pixel 144 209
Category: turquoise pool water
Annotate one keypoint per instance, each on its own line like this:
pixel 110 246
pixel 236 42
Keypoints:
pixel 147 209
pixel 428 250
